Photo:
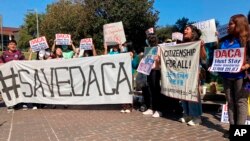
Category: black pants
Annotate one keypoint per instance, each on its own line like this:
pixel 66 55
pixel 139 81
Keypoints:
pixel 152 92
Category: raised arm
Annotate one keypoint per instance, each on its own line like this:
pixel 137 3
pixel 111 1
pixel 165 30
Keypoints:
pixel 73 46
pixel 105 48
pixel 53 46
pixel 94 50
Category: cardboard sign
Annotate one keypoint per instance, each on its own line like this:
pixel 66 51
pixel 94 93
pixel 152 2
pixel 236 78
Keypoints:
pixel 208 29
pixel 86 44
pixel 114 33
pixel 228 60
pixel 39 44
pixel 63 39
pixel 177 36
pixel 222 31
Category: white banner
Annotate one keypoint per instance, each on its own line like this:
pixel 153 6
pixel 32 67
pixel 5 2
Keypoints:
pixel 86 44
pixel 63 39
pixel 180 70
pixel 105 79
pixel 38 44
pixel 228 60
pixel 208 29
pixel 114 33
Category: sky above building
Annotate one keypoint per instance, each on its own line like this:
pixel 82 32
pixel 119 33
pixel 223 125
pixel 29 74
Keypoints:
pixel 14 11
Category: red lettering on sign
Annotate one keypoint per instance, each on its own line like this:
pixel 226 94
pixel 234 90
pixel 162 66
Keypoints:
pixel 230 53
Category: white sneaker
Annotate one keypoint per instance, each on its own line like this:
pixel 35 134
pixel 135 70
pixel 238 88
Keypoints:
pixel 185 119
pixel 34 108
pixel 194 121
pixel 25 107
pixel 157 114
pixel 148 112
pixel 127 111
pixel 122 111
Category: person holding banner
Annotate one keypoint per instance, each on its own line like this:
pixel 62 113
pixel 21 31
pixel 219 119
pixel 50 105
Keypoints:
pixel 192 111
pixel 151 93
pixel 238 36
pixel 66 52
pixel 12 54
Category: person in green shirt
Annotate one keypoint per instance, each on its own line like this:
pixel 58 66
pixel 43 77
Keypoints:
pixel 67 53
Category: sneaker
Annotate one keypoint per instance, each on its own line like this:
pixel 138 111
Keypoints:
pixel 10 109
pixel 157 114
pixel 122 111
pixel 25 107
pixel 148 112
pixel 34 108
pixel 185 119
pixel 194 121
pixel 127 111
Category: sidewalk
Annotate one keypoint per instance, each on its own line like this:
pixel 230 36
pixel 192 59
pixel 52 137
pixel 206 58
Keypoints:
pixel 104 122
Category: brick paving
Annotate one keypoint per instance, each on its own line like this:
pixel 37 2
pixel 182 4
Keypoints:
pixel 104 122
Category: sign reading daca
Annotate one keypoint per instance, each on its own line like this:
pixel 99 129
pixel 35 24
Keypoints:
pixel 179 70
pixel 105 79
pixel 228 60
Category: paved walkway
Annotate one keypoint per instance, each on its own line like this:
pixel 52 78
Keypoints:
pixel 104 122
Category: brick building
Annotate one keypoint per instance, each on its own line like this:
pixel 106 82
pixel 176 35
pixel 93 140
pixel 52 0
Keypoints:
pixel 8 34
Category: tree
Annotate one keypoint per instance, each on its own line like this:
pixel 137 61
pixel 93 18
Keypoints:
pixel 64 17
pixel 180 24
pixel 28 31
pixel 164 33
pixel 85 18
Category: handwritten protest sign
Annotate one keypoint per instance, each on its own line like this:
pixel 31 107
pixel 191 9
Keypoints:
pixel 222 30
pixel 228 60
pixel 208 29
pixel 38 44
pixel 180 69
pixel 114 33
pixel 177 36
pixel 63 39
pixel 147 62
pixel 86 44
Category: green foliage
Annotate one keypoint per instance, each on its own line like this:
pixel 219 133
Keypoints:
pixel 164 33
pixel 28 31
pixel 181 24
pixel 85 18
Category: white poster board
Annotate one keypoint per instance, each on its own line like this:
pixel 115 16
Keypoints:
pixel 208 29
pixel 114 33
pixel 177 36
pixel 63 39
pixel 38 44
pixel 105 79
pixel 180 71
pixel 228 60
pixel 86 44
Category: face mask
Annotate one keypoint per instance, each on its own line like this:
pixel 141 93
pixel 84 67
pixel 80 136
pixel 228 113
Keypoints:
pixel 41 54
pixel 147 43
pixel 64 47
pixel 124 49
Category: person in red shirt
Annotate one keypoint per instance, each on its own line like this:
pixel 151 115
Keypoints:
pixel 12 54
